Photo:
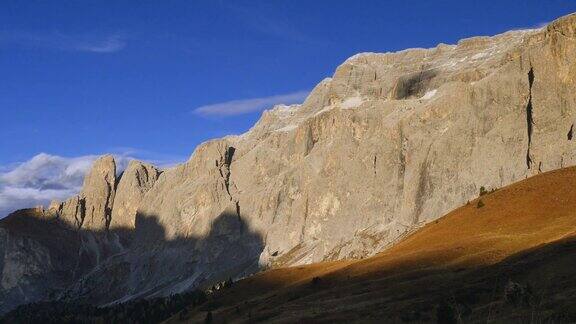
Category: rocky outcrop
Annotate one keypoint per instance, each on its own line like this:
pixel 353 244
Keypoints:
pixel 42 252
pixel 92 208
pixel 391 142
pixel 39 256
pixel 72 210
pixel 136 180
pixel 98 194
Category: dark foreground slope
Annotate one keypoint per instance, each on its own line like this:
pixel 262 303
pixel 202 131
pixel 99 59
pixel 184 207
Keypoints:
pixel 509 256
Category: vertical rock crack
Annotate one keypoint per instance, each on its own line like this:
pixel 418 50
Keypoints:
pixel 529 117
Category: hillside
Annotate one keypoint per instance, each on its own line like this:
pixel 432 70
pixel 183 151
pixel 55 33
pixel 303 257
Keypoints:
pixel 510 260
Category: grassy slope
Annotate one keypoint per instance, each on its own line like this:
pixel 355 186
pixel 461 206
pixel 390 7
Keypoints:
pixel 459 264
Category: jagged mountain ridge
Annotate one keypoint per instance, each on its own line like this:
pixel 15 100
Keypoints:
pixel 389 143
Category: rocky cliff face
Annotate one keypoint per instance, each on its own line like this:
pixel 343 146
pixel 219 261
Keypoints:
pixel 92 208
pixel 136 180
pixel 390 142
pixel 40 256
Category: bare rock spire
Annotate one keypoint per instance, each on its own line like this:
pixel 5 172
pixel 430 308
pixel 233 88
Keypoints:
pixel 135 182
pixel 98 193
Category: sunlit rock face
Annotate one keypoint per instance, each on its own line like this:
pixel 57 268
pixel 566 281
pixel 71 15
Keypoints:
pixel 135 181
pixel 92 208
pixel 391 142
pixel 98 194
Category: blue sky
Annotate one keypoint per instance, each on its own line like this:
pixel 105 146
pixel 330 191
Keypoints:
pixel 153 79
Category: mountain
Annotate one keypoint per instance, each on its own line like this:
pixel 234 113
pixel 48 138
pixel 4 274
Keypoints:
pixel 390 143
pixel 509 259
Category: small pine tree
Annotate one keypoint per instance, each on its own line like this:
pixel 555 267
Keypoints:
pixel 228 283
pixel 208 318
pixel 480 204
pixel 445 314
pixel 184 313
pixel 483 191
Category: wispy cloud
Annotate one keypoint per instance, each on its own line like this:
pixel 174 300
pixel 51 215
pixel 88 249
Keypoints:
pixel 108 45
pixel 264 20
pixel 64 42
pixel 46 177
pixel 245 106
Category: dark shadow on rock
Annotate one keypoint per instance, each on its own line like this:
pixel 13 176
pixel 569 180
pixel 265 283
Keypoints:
pixel 45 259
pixel 413 84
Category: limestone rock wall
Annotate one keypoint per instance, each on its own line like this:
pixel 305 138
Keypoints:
pixel 92 208
pixel 98 193
pixel 136 180
pixel 390 142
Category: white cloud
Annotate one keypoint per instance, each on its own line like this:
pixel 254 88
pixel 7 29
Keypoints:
pixel 109 45
pixel 64 42
pixel 271 22
pixel 41 179
pixel 47 177
pixel 245 106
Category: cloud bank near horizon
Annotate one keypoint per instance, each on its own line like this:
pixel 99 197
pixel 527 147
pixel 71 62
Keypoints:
pixel 47 177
